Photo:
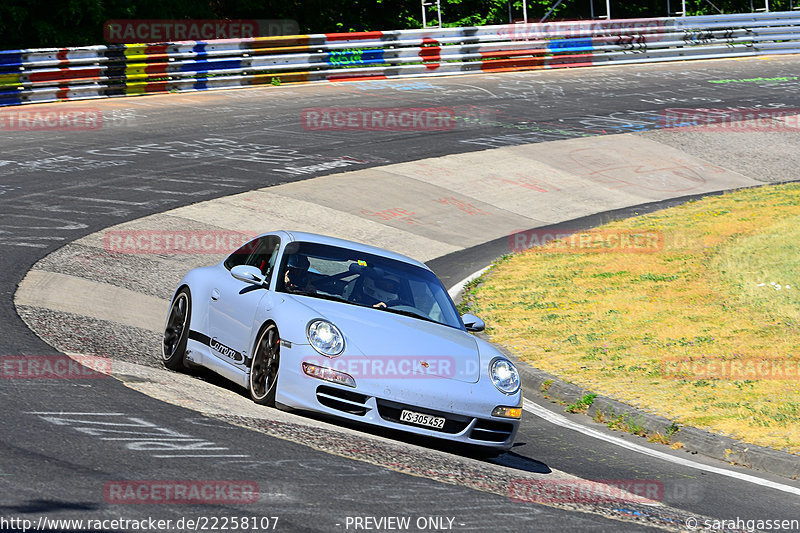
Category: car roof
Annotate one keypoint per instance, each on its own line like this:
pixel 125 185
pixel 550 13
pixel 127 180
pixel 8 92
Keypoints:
pixel 344 243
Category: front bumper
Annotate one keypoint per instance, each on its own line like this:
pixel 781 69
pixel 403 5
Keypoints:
pixel 467 407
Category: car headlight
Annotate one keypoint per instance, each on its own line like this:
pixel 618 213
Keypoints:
pixel 504 376
pixel 325 338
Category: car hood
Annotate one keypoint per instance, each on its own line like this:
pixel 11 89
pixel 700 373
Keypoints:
pixel 397 345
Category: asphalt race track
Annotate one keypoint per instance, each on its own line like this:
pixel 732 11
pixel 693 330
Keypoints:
pixel 154 154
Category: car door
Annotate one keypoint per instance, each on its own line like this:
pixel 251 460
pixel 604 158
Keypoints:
pixel 233 303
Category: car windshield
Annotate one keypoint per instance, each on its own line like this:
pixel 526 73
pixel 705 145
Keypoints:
pixel 367 280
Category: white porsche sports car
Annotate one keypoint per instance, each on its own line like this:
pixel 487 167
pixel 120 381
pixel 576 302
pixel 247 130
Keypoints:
pixel 316 323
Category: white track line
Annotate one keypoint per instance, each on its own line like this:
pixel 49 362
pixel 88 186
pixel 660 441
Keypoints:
pixel 563 421
pixel 71 414
pixel 197 455
pixel 455 289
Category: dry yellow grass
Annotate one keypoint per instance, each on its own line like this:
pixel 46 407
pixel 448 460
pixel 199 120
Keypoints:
pixel 640 326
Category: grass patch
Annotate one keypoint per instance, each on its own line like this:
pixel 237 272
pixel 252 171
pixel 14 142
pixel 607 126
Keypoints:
pixel 581 405
pixel 666 330
pixel 658 438
pixel 626 424
pixel 666 437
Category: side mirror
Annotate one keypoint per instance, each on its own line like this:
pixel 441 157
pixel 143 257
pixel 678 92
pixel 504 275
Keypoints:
pixel 248 274
pixel 473 323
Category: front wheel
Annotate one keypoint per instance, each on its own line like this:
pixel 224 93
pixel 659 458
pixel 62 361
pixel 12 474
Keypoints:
pixel 264 367
pixel 176 333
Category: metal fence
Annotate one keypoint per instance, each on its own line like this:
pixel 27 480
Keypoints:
pixel 53 74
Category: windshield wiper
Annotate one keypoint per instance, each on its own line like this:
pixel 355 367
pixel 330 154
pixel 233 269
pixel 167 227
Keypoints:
pixel 407 313
pixel 322 296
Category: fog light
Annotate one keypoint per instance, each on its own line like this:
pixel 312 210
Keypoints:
pixel 507 412
pixel 328 374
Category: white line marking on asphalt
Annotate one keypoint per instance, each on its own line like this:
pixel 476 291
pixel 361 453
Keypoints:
pixel 455 289
pixel 563 421
pixel 479 88
pixel 150 438
pixel 166 456
pixel 71 414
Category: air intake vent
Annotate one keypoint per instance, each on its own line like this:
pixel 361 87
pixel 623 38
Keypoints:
pixel 342 400
pixel 491 431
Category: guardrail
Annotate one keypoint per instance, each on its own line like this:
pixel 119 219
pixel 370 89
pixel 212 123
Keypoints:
pixel 53 74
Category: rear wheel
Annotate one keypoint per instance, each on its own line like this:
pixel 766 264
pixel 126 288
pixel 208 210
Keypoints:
pixel 176 333
pixel 264 367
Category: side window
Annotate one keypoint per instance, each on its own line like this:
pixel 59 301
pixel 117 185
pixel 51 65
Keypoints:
pixel 260 253
pixel 239 257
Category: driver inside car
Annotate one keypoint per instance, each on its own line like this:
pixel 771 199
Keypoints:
pixel 381 291
pixel 296 277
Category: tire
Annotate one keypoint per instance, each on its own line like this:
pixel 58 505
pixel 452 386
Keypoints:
pixel 264 367
pixel 176 332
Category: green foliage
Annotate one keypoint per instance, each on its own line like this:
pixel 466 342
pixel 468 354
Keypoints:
pixel 672 429
pixel 582 404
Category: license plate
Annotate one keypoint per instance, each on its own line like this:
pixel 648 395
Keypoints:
pixel 422 419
